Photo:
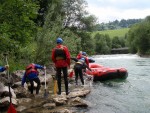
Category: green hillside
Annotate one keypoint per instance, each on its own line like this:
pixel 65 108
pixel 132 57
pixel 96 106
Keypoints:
pixel 112 33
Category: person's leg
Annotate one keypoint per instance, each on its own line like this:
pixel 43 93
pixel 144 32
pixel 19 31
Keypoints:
pixel 65 72
pixel 81 75
pixel 32 86
pixel 37 80
pixel 58 75
pixel 76 75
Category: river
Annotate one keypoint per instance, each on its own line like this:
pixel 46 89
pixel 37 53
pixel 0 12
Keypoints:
pixel 121 96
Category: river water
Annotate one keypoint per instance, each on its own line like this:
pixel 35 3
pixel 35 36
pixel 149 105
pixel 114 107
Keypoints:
pixel 122 96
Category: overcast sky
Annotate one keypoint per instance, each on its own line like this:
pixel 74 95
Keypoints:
pixel 110 10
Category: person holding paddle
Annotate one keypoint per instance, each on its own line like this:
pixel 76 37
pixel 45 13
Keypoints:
pixel 61 58
pixel 31 73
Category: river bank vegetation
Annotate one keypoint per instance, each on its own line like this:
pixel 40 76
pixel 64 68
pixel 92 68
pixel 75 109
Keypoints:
pixel 28 30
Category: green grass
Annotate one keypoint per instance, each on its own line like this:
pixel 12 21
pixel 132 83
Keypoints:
pixel 113 33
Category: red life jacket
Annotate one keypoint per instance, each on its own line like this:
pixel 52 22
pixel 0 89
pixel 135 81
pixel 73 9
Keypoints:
pixel 31 68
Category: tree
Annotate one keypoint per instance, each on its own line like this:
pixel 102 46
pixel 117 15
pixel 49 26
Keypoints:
pixel 139 37
pixel 17 27
pixel 88 23
pixel 73 10
pixel 102 44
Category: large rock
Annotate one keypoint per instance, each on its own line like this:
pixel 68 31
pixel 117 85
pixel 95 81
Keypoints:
pixel 60 100
pixel 79 93
pixel 78 102
pixel 4 102
pixel 4 91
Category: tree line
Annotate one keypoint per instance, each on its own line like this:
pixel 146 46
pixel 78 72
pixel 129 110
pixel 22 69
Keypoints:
pixel 117 24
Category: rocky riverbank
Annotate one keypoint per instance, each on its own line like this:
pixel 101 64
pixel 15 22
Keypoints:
pixel 24 102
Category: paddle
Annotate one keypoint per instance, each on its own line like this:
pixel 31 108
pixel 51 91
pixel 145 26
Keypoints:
pixel 55 84
pixel 11 108
pixel 45 92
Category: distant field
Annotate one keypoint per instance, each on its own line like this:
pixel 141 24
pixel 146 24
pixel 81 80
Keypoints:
pixel 112 33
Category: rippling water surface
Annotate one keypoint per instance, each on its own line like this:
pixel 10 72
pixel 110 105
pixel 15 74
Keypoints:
pixel 128 96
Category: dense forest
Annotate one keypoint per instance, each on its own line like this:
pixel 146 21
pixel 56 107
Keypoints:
pixel 29 28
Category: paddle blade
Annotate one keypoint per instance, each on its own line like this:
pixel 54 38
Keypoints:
pixel 71 74
pixel 55 87
pixel 11 109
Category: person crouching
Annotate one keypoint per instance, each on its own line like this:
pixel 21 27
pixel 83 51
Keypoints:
pixel 31 74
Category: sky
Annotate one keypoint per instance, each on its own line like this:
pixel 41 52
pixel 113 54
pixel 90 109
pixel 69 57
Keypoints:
pixel 111 10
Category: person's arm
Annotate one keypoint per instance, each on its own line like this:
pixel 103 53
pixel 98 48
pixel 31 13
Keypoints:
pixel 39 66
pixel 88 67
pixel 2 68
pixel 87 61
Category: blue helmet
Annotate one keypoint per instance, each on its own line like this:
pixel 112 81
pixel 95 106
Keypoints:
pixel 84 53
pixel 59 40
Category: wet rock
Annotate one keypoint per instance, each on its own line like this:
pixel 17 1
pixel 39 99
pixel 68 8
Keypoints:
pixel 16 84
pixel 61 110
pixel 21 92
pixel 20 109
pixel 42 79
pixel 4 91
pixel 24 100
pixel 78 102
pixel 4 102
pixel 79 93
pixel 60 100
pixel 18 75
pixel 49 105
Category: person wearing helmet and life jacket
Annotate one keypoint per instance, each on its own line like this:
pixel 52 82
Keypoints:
pixel 83 55
pixel 78 69
pixel 3 68
pixel 61 58
pixel 31 73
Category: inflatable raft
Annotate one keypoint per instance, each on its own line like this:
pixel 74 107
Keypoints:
pixel 101 73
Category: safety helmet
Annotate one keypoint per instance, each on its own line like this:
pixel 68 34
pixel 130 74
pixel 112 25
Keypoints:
pixel 84 53
pixel 59 40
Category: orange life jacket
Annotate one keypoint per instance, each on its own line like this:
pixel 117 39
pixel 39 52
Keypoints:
pixel 31 68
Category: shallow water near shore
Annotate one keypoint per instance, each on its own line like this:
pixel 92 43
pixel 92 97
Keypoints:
pixel 121 96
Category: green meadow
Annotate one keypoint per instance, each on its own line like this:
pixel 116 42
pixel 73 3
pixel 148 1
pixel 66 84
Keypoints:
pixel 113 33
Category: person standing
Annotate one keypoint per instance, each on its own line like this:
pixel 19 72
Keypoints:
pixel 3 68
pixel 31 73
pixel 61 58
pixel 78 69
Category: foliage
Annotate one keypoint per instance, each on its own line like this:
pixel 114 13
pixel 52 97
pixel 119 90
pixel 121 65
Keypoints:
pixel 102 43
pixel 87 43
pixel 139 37
pixel 74 11
pixel 118 42
pixel 17 28
pixel 88 23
